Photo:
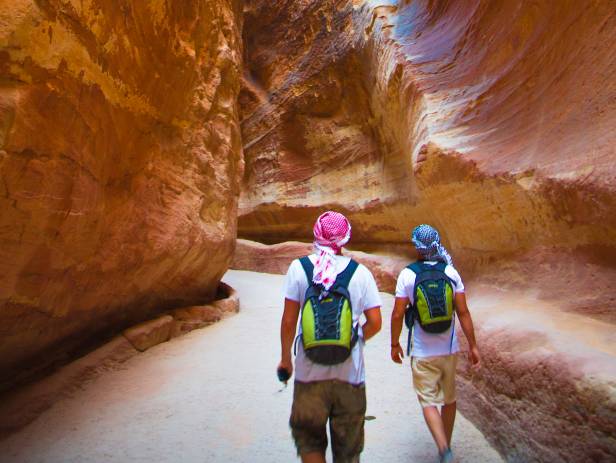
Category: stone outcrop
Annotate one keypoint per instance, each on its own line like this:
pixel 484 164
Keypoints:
pixel 194 317
pixel 276 258
pixel 21 406
pixel 492 121
pixel 150 333
pixel 120 160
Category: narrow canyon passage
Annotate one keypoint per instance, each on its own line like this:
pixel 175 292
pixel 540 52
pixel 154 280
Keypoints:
pixel 212 396
pixel 146 147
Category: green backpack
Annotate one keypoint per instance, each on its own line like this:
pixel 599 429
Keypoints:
pixel 328 334
pixel 433 296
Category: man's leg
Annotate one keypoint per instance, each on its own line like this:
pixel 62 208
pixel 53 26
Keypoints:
pixel 448 414
pixel 436 427
pixel 346 422
pixel 448 386
pixel 313 457
pixel 427 381
pixel 308 420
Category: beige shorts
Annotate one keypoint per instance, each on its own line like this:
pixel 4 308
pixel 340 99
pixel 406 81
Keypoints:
pixel 434 379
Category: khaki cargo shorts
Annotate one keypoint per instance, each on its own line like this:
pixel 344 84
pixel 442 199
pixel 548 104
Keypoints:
pixel 434 379
pixel 343 404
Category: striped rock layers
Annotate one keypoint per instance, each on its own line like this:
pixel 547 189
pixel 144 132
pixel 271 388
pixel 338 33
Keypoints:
pixel 120 160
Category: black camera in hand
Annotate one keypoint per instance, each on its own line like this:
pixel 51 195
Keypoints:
pixel 283 375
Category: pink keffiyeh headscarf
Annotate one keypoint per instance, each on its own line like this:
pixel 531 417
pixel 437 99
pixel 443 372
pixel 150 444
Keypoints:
pixel 331 231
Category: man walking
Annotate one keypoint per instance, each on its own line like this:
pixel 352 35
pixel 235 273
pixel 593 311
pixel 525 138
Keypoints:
pixel 331 292
pixel 435 291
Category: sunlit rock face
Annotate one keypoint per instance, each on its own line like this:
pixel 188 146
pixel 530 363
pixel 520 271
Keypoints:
pixel 491 120
pixel 120 164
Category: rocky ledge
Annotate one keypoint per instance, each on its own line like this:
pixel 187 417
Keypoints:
pixel 23 405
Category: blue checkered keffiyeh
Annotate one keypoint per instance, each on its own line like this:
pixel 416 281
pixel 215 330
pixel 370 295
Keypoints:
pixel 428 242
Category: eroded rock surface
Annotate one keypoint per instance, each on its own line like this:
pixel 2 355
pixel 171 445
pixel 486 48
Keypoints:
pixel 119 166
pixel 485 119
pixel 20 406
pixel 276 258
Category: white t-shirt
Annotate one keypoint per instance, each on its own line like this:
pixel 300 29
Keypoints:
pixel 364 295
pixel 430 344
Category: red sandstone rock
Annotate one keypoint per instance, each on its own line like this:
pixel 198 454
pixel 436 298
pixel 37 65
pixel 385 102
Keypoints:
pixel 149 333
pixel 191 318
pixel 487 120
pixel 257 257
pixel 20 407
pixel 204 313
pixel 120 159
pixel 547 388
pixel 229 301
pixel 194 317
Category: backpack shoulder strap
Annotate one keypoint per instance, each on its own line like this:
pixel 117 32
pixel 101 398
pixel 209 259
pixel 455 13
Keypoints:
pixel 422 271
pixel 441 266
pixel 343 279
pixel 416 267
pixel 308 268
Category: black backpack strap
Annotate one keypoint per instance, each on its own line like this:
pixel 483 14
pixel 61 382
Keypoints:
pixel 299 335
pixel 453 330
pixel 429 271
pixel 344 278
pixel 416 267
pixel 409 342
pixel 342 281
pixel 419 266
pixel 308 268
pixel 441 266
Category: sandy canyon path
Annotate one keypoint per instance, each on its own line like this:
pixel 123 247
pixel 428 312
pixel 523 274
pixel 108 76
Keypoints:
pixel 212 396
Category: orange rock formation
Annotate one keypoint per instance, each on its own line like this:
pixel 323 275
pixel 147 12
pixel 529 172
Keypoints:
pixel 120 164
pixel 491 120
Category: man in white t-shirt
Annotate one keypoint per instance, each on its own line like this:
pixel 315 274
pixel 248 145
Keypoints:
pixel 433 355
pixel 333 393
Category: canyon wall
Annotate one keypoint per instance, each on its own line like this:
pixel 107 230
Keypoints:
pixel 493 121
pixel 490 120
pixel 120 161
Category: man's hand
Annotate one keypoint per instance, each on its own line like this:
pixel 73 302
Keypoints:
pixel 397 354
pixel 474 358
pixel 287 365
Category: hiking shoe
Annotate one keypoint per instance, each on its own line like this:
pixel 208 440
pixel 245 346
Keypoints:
pixel 446 456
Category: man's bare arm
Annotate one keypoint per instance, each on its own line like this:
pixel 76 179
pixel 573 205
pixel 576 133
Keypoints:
pixel 373 322
pixel 466 322
pixel 288 326
pixel 397 316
